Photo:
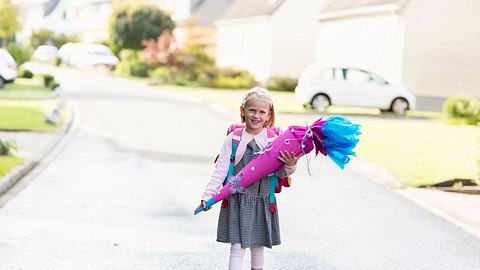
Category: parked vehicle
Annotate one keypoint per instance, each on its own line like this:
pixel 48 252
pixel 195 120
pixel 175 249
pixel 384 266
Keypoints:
pixel 8 68
pixel 65 52
pixel 321 87
pixel 84 55
pixel 45 53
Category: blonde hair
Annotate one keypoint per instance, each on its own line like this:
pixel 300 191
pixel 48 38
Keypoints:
pixel 264 95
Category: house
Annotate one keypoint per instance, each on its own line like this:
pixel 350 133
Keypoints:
pixel 431 46
pixel 268 37
pixel 33 14
pixel 200 27
pixel 87 19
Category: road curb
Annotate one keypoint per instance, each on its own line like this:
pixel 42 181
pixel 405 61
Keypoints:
pixel 19 172
pixel 375 173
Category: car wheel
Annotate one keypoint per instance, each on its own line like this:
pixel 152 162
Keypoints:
pixel 399 106
pixel 320 102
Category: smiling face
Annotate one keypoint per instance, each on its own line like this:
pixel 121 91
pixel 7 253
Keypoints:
pixel 256 113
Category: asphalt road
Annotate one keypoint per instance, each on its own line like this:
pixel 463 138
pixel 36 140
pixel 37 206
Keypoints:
pixel 121 193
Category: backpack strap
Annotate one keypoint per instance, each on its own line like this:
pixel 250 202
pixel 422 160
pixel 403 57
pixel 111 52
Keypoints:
pixel 237 136
pixel 271 135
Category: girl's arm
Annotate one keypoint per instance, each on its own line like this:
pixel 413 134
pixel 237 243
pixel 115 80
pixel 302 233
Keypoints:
pixel 286 171
pixel 290 166
pixel 221 169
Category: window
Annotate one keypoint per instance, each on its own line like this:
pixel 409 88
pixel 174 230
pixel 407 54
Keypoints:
pixel 378 79
pixel 354 75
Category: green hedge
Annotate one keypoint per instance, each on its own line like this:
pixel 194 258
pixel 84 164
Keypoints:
pixel 25 73
pixel 463 108
pixel 20 53
pixel 282 83
pixel 230 77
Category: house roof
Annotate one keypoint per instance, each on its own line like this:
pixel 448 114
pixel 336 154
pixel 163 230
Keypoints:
pixel 337 5
pixel 50 7
pixel 251 8
pixel 210 11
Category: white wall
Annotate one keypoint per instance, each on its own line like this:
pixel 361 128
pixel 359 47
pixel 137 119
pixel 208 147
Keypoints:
pixel 31 19
pixel 442 47
pixel 246 45
pixel 369 42
pixel 294 34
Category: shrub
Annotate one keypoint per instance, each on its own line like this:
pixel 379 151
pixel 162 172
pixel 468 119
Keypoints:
pixel 21 54
pixel 58 61
pixel 195 65
pixel 282 83
pixel 48 80
pixel 123 68
pixel 7 147
pixel 132 68
pixel 234 78
pixel 478 163
pixel 44 36
pixel 161 75
pixel 232 82
pixel 464 108
pixel 26 73
pixel 54 84
pixel 139 69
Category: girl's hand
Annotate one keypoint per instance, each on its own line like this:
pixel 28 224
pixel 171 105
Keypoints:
pixel 288 159
pixel 202 204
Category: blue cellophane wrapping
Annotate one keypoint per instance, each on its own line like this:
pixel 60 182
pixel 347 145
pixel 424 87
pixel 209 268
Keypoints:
pixel 339 139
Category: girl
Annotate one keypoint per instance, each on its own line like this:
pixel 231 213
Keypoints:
pixel 247 220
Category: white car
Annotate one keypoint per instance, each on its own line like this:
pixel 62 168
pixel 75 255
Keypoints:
pixel 45 53
pixel 8 68
pixel 321 87
pixel 65 52
pixel 84 55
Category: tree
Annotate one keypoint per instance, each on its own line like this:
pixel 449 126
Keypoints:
pixel 130 25
pixel 44 36
pixel 9 23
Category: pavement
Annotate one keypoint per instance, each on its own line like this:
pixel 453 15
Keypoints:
pixel 39 148
pixel 35 147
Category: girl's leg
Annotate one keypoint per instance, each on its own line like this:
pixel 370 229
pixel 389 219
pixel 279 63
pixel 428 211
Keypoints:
pixel 236 257
pixel 257 258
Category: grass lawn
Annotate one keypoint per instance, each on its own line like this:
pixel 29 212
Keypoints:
pixel 7 163
pixel 23 105
pixel 422 152
pixel 25 89
pixel 419 152
pixel 25 114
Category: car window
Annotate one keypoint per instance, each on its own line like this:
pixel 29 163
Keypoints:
pixel 378 79
pixel 339 74
pixel 354 75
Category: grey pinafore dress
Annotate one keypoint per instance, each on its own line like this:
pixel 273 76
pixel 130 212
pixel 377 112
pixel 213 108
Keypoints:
pixel 247 218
